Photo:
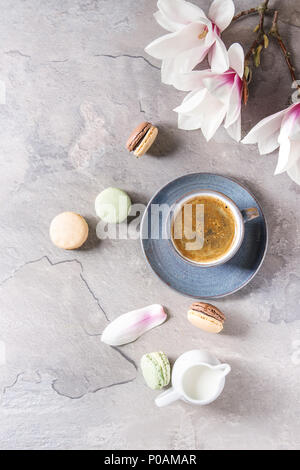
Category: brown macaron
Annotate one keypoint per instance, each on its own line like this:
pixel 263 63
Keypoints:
pixel 141 139
pixel 206 316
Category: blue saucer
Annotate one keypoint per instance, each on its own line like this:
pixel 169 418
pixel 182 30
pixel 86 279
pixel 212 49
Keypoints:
pixel 192 280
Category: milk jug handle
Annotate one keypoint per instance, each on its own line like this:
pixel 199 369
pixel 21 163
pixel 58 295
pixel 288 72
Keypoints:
pixel 167 397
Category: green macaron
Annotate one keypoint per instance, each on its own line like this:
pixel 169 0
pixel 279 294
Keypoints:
pixel 156 370
pixel 112 205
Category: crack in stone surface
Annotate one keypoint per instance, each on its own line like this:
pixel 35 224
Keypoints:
pixel 58 61
pixel 7 387
pixel 99 389
pixel 73 260
pixel 123 354
pixel 110 56
pixel 141 108
pixel 50 333
pixel 15 52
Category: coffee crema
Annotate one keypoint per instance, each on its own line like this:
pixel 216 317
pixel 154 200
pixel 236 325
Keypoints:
pixel 204 228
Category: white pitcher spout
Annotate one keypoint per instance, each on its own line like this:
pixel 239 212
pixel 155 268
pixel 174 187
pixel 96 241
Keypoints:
pixel 223 368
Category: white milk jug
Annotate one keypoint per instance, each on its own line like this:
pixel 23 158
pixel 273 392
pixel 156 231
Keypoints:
pixel 197 378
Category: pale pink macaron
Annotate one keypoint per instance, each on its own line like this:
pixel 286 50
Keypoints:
pixel 69 230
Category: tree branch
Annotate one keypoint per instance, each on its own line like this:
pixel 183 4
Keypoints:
pixel 252 11
pixel 275 33
pixel 243 13
pixel 260 39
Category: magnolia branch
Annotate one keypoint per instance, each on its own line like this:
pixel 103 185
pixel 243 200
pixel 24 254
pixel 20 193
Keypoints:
pixel 261 41
pixel 262 38
pixel 243 13
pixel 275 33
pixel 252 11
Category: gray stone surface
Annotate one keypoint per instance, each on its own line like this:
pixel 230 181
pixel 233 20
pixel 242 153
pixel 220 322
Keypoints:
pixel 77 80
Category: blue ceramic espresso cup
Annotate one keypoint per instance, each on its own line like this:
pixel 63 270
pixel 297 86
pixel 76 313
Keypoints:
pixel 240 218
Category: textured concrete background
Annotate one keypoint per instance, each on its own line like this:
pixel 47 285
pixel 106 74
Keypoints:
pixel 77 81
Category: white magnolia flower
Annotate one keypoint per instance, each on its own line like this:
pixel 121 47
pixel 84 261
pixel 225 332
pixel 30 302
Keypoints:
pixel 280 130
pixel 214 98
pixel 193 36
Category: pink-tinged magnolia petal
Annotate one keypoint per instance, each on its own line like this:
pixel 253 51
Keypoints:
pixel 283 158
pixel 266 126
pixel 291 149
pixel 221 13
pixel 183 63
pixel 165 23
pixel 191 81
pixel 189 123
pixel 295 137
pixel 213 115
pixel 128 327
pixel 168 71
pixel 237 58
pixel 219 61
pixel 187 60
pixel 180 11
pixel 235 130
pixel 269 143
pixel 294 153
pixel 294 172
pixel 220 85
pixel 296 112
pixel 191 102
pixel 290 125
pixel 172 44
pixel 234 105
pixel 211 34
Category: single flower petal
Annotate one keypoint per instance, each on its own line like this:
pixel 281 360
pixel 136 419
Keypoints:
pixel 296 113
pixel 219 61
pixel 283 158
pixel 191 102
pixel 266 126
pixel 166 23
pixel 221 13
pixel 294 153
pixel 168 71
pixel 293 156
pixel 235 130
pixel 237 58
pixel 294 172
pixel 234 105
pixel 295 137
pixel 129 326
pixel 191 81
pixel 189 123
pixel 290 125
pixel 187 60
pixel 172 44
pixel 201 110
pixel 174 68
pixel 214 112
pixel 269 143
pixel 180 11
pixel 220 85
pixel 210 36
